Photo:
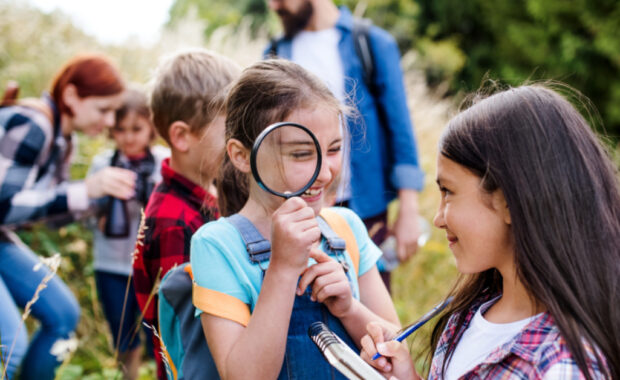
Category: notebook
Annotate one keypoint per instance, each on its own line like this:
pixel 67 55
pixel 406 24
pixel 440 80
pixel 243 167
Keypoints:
pixel 340 355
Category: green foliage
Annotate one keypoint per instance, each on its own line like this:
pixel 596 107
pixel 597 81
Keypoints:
pixel 30 56
pixel 396 16
pixel 34 45
pixel 221 13
pixel 576 42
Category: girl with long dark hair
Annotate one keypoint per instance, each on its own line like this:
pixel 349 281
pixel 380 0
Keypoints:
pixel 530 203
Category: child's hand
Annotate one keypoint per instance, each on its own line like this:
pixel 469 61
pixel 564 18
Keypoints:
pixel 395 360
pixel 117 182
pixel 330 284
pixel 294 230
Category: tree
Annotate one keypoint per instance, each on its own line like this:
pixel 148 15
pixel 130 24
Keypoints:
pixel 221 13
pixel 576 42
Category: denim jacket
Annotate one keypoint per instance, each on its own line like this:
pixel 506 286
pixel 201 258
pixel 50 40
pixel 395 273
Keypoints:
pixel 383 158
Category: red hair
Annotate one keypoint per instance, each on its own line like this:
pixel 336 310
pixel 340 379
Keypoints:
pixel 92 75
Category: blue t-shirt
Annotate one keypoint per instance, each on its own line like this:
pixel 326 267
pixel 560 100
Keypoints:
pixel 221 265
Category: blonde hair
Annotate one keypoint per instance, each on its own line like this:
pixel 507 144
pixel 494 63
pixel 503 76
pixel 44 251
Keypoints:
pixel 190 86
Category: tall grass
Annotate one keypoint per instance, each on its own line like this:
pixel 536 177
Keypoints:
pixel 53 264
pixel 35 45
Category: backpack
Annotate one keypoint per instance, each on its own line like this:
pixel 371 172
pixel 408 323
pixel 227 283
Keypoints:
pixel 361 39
pixel 180 331
pixel 184 345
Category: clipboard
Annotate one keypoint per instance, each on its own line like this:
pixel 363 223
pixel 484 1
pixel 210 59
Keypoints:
pixel 340 355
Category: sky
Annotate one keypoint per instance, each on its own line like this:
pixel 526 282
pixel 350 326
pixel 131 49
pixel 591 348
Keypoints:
pixel 114 21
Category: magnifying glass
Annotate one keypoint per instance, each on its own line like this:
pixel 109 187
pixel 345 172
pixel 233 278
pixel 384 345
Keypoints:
pixel 286 159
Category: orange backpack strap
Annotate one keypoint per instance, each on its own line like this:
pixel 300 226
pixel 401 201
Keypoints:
pixel 340 226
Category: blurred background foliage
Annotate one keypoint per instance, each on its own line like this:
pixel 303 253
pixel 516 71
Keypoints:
pixel 462 42
pixel 448 47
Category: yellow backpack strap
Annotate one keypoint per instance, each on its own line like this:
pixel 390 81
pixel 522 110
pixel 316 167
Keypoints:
pixel 343 230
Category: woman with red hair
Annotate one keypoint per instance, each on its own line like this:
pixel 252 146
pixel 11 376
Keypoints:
pixel 35 144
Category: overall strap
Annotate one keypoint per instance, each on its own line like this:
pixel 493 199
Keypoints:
pixel 333 226
pixel 334 242
pixel 257 246
pixel 341 229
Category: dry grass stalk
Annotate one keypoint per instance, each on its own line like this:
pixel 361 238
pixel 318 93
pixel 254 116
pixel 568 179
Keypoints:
pixel 163 351
pixel 120 328
pixel 140 238
pixel 148 303
pixel 52 263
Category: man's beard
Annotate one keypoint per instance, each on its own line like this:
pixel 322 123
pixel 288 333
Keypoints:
pixel 293 23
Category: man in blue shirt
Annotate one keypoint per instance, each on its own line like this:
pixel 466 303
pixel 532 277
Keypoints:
pixel 382 161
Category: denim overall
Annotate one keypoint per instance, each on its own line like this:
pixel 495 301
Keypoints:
pixel 302 359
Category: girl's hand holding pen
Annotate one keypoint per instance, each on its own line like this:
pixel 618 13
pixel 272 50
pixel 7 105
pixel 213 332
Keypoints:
pixel 395 361
pixel 383 349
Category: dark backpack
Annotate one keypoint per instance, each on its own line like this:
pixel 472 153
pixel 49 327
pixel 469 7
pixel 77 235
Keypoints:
pixel 180 332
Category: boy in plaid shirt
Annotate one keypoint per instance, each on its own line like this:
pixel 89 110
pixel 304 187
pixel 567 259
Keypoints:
pixel 187 106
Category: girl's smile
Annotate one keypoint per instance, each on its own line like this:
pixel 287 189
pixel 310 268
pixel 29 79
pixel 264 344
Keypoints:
pixel 313 194
pixel 452 240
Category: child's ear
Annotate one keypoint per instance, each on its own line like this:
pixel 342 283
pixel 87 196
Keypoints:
pixel 239 155
pixel 179 134
pixel 499 204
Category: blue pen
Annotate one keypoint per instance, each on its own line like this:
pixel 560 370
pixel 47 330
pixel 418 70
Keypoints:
pixel 425 318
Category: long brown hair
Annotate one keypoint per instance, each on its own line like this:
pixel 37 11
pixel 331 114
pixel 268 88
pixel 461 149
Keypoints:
pixel 266 92
pixel 563 195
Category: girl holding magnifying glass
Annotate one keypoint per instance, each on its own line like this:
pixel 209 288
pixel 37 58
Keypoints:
pixel 255 314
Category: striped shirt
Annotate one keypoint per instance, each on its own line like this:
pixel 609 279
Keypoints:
pixel 538 351
pixel 34 166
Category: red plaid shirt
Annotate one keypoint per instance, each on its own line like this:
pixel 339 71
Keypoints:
pixel 538 350
pixel 176 209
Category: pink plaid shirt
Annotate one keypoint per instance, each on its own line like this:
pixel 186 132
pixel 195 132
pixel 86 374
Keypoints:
pixel 537 351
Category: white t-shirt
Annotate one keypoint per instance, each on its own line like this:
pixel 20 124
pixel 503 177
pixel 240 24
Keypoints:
pixel 317 51
pixel 480 339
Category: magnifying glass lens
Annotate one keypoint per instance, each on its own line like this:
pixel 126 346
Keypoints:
pixel 287 159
